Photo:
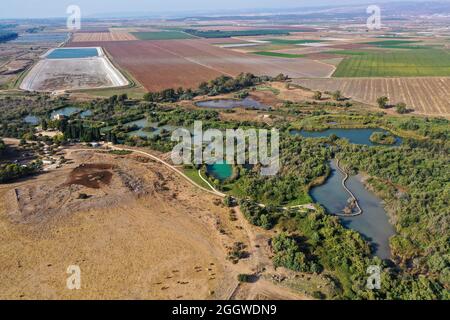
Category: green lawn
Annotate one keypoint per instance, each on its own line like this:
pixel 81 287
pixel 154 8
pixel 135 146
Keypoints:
pixel 192 173
pixel 410 63
pixel 162 35
pixel 279 55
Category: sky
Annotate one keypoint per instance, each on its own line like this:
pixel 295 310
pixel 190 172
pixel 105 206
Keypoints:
pixel 57 8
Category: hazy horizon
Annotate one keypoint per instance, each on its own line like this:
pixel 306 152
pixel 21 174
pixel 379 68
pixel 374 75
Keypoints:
pixel 35 9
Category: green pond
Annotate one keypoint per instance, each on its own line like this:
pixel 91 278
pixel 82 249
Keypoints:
pixel 220 171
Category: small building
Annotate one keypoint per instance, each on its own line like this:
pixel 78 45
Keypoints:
pixel 59 117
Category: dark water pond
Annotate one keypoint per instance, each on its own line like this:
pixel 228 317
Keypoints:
pixel 67 111
pixel 143 124
pixel 231 103
pixel 31 119
pixel 355 136
pixel 373 224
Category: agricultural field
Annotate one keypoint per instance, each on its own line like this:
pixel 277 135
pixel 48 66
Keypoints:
pixel 242 33
pixel 162 35
pixel 427 96
pixel 102 36
pixel 409 63
pixel 278 54
pixel 159 65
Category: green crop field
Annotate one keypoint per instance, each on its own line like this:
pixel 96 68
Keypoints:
pixel 162 35
pixel 411 63
pixel 348 52
pixel 291 42
pixel 390 43
pixel 242 33
pixel 279 55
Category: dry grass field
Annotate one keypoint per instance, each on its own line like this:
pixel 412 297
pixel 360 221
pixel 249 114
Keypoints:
pixel 142 233
pixel 139 232
pixel 102 36
pixel 427 96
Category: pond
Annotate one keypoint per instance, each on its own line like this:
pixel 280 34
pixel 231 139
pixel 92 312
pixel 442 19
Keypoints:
pixel 45 37
pixel 67 111
pixel 220 171
pixel 373 224
pixel 144 123
pixel 72 53
pixel 355 136
pixel 232 103
pixel 31 119
pixel 86 113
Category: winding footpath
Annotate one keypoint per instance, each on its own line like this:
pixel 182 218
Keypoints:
pixel 346 176
pixel 213 191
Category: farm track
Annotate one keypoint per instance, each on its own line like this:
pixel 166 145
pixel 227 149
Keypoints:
pixel 427 96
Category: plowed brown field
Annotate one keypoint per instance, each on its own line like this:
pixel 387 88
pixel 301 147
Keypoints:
pixel 160 65
pixel 427 96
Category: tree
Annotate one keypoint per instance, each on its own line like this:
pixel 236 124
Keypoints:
pixel 123 97
pixel 2 146
pixel 382 102
pixel 317 95
pixel 401 108
pixel 244 277
pixel 229 201
pixel 44 124
pixel 288 254
pixel 337 95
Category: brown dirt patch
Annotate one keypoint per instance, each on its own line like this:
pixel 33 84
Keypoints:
pixel 91 175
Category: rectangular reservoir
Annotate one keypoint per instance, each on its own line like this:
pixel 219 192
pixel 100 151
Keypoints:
pixel 67 69
pixel 72 53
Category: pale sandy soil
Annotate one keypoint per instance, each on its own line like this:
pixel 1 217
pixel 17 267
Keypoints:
pixel 50 75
